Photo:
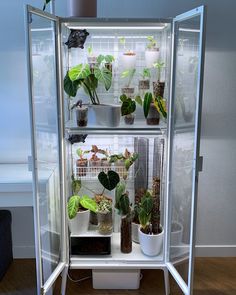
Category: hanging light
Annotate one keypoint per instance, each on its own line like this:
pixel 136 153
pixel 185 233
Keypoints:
pixel 82 8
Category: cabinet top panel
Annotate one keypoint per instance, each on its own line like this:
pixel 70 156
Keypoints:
pixel 75 23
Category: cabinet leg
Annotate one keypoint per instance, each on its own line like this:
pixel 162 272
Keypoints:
pixel 167 282
pixel 64 280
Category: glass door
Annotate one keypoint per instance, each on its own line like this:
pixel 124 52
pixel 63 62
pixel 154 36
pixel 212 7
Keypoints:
pixel 47 147
pixel 183 146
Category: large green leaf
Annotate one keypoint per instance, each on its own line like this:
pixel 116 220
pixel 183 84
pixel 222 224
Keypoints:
pixel 128 107
pixel 75 185
pixel 124 204
pixel 79 72
pixel 109 180
pixel 103 75
pixel 88 203
pixel 120 190
pixel 144 218
pixel 71 87
pixel 146 103
pixel 147 203
pixel 73 206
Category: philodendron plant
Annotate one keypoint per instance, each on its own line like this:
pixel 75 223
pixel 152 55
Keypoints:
pixel 77 203
pixel 83 76
pixel 145 212
pixel 108 180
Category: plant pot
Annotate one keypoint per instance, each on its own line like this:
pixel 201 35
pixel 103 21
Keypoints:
pixel 128 91
pixel 126 234
pixel 81 167
pixel 79 224
pixel 151 57
pixel 105 114
pixel 153 117
pixel 128 61
pixel 82 8
pixel 151 245
pixel 158 89
pixel 135 235
pixel 176 235
pixel 82 116
pixel 105 223
pixel 93 218
pixel 129 119
pixel 143 84
pixel 95 163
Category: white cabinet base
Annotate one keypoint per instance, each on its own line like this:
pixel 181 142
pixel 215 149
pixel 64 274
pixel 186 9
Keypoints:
pixel 116 278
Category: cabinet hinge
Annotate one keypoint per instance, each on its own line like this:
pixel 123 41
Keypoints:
pixel 200 164
pixel 30 19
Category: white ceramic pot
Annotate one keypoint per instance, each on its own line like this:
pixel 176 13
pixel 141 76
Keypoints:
pixel 105 114
pixel 151 245
pixel 176 233
pixel 128 61
pixel 151 57
pixel 135 235
pixel 79 224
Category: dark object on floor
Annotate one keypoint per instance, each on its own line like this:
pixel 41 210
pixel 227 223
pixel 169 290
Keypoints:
pixel 77 138
pixel 5 241
pixel 77 38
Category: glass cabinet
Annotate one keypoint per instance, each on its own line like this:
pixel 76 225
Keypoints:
pixel 115 118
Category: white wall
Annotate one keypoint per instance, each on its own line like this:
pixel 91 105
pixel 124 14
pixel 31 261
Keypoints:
pixel 216 219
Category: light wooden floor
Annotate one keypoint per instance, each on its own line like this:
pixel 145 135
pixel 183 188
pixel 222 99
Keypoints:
pixel 213 276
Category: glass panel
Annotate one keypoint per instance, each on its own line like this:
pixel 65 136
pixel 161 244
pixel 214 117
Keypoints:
pixel 46 140
pixel 183 141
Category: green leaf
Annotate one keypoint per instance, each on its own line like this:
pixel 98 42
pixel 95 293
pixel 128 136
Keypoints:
pixel 138 99
pixel 109 180
pixel 109 58
pixel 71 87
pixel 75 185
pixel 73 206
pixel 147 203
pixel 103 75
pixel 144 218
pixel 146 103
pixel 128 107
pixel 100 59
pixel 125 74
pixel 88 203
pixel 124 204
pixel 79 72
pixel 120 189
pixel 123 97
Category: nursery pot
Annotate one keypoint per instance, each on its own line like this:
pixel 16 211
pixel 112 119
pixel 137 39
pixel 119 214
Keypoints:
pixel 126 234
pixel 104 223
pixel 151 57
pixel 128 91
pixel 105 114
pixel 158 88
pixel 128 61
pixel 79 224
pixel 81 167
pixel 176 233
pixel 143 84
pixel 82 116
pixel 153 117
pixel 129 119
pixel 151 245
pixel 135 235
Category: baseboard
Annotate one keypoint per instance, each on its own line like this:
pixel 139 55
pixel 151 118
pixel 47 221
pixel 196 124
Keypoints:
pixel 215 250
pixel 23 252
